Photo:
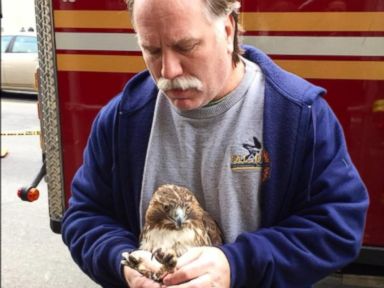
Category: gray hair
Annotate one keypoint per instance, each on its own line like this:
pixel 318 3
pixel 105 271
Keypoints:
pixel 217 9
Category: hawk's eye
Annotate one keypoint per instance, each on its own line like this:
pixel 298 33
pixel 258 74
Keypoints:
pixel 166 208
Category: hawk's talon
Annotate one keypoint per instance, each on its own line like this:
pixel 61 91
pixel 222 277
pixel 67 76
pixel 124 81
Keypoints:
pixel 130 261
pixel 169 260
pixel 137 264
pixel 158 254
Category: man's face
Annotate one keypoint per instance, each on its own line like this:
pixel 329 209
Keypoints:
pixel 178 40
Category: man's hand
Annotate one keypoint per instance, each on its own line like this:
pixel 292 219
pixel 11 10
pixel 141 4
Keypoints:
pixel 200 267
pixel 148 264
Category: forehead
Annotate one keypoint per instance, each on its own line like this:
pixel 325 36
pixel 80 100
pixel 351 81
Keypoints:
pixel 169 18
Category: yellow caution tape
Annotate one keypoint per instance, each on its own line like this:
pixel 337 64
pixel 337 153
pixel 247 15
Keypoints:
pixel 21 133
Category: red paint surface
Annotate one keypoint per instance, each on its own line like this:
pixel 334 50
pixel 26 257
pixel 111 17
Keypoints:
pixel 352 102
pixel 82 94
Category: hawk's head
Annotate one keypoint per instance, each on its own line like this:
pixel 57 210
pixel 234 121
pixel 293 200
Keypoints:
pixel 173 207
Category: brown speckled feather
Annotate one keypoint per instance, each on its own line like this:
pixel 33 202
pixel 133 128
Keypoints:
pixel 175 221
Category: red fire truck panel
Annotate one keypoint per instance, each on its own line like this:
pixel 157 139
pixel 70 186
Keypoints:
pixel 334 43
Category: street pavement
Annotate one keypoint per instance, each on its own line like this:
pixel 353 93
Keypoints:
pixel 31 254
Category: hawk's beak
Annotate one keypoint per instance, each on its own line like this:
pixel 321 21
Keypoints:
pixel 179 222
pixel 179 217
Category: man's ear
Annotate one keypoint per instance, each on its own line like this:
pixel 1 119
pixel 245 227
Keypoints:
pixel 230 32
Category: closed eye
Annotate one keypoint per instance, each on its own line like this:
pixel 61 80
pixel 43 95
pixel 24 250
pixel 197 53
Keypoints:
pixel 186 46
pixel 153 51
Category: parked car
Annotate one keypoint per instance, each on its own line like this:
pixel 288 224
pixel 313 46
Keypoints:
pixel 19 62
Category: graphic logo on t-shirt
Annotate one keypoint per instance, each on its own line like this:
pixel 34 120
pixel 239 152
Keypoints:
pixel 251 156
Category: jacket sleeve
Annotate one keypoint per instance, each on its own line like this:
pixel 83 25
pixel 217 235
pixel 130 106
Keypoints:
pixel 323 231
pixel 90 227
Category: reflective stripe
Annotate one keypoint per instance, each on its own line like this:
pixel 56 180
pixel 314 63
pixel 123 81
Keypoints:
pixel 96 41
pixel 319 45
pixel 278 45
pixel 315 69
pixel 314 21
pixel 260 21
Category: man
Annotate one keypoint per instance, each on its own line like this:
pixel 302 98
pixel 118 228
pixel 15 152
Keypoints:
pixel 259 146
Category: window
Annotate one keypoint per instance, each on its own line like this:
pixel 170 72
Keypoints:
pixel 4 42
pixel 25 44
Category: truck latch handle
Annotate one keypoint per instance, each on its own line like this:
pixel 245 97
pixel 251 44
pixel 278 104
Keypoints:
pixel 31 193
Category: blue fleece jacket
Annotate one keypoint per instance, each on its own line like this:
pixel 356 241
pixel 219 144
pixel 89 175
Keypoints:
pixel 313 204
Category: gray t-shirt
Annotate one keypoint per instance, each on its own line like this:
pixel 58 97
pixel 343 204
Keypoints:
pixel 215 151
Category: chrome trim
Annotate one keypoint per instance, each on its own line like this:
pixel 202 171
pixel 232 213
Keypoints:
pixel 50 118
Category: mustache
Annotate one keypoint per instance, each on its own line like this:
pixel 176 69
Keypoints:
pixel 181 82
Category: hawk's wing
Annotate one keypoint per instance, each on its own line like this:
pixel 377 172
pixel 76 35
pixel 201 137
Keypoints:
pixel 212 229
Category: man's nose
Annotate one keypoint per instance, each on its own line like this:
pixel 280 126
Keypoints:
pixel 171 65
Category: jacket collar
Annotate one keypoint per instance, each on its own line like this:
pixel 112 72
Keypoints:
pixel 286 126
pixel 138 92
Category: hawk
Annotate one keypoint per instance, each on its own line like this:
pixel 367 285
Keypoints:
pixel 174 222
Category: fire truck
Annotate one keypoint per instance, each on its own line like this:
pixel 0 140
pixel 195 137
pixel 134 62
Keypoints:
pixel 88 51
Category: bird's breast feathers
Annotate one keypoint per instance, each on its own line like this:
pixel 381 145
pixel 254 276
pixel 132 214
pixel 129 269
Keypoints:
pixel 178 241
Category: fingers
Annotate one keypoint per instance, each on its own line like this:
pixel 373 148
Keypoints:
pixel 144 282
pixel 189 266
pixel 206 266
pixel 190 271
pixel 189 257
pixel 136 280
pixel 203 281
